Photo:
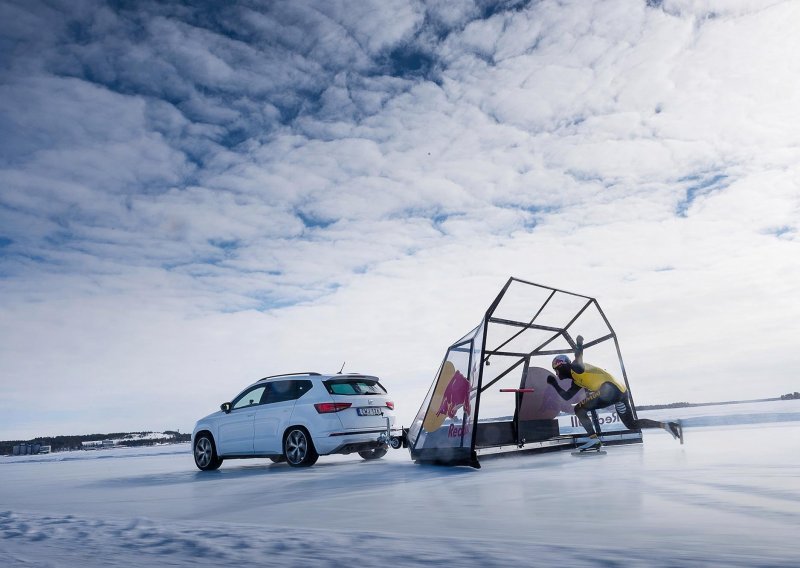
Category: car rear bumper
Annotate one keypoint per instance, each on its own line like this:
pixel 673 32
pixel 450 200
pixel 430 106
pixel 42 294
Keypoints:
pixel 357 447
pixel 349 442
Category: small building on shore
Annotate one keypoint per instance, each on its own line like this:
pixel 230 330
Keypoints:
pixel 30 449
pixel 97 444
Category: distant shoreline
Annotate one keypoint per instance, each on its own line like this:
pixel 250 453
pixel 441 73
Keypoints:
pixel 692 404
pixel 47 444
pixel 58 442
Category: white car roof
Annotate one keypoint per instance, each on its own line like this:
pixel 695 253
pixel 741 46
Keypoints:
pixel 320 376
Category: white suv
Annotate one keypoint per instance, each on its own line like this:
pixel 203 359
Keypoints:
pixel 298 417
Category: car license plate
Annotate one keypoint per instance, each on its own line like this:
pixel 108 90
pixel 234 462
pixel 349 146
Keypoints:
pixel 369 411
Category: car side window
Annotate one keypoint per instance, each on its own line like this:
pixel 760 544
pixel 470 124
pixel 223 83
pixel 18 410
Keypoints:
pixel 281 391
pixel 301 387
pixel 278 391
pixel 249 398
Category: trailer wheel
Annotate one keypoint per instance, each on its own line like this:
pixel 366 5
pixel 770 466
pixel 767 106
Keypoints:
pixel 375 454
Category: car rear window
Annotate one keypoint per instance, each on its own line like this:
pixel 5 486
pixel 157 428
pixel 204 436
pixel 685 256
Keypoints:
pixel 352 386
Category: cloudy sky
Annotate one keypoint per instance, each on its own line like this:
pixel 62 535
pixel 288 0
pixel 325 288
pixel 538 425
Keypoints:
pixel 195 197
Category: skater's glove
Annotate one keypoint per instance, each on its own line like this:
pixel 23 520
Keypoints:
pixel 551 380
pixel 579 341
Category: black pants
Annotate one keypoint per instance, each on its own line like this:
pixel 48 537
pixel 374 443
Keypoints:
pixel 606 395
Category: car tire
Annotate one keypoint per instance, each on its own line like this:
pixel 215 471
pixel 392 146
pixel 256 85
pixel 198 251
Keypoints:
pixel 298 448
pixel 205 453
pixel 375 454
pixel 278 459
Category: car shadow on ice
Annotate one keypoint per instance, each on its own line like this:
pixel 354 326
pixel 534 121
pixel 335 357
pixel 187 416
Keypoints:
pixel 181 477
pixel 333 474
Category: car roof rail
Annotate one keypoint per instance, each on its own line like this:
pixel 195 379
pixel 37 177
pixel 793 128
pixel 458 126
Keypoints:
pixel 304 374
pixel 353 376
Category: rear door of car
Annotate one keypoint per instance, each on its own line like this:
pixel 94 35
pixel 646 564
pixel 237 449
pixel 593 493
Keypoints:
pixel 368 401
pixel 273 414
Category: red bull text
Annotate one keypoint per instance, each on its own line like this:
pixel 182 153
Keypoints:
pixel 455 431
pixel 606 419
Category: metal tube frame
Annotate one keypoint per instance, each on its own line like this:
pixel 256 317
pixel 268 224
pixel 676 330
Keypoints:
pixel 525 357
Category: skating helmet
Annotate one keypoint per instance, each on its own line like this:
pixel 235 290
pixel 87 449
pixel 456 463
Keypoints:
pixel 559 361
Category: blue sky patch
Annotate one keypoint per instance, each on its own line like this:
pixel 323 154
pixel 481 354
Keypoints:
pixel 439 218
pixel 700 187
pixel 409 62
pixel 312 221
pixel 224 244
pixel 784 231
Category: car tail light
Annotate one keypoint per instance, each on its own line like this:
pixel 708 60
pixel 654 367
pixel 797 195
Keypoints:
pixel 390 405
pixel 326 407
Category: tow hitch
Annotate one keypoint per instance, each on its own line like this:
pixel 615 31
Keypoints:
pixel 396 438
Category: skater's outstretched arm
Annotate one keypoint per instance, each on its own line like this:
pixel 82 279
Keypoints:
pixel 577 364
pixel 565 394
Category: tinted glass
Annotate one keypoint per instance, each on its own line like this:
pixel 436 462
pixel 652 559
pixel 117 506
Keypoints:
pixel 281 391
pixel 302 387
pixel 354 386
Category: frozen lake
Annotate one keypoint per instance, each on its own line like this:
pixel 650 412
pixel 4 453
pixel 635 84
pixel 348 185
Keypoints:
pixel 729 496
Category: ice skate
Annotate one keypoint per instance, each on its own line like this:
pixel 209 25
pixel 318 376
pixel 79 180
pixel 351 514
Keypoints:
pixel 676 429
pixel 593 444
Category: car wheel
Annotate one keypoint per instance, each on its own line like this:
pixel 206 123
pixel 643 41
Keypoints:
pixel 299 448
pixel 375 454
pixel 278 459
pixel 205 454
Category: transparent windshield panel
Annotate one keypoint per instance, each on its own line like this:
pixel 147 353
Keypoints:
pixel 446 418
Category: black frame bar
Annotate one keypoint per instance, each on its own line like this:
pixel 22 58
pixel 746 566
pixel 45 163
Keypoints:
pixel 518 358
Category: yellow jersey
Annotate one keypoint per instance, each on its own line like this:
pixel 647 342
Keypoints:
pixel 593 378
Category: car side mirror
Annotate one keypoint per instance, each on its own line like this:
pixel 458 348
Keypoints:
pixel 225 407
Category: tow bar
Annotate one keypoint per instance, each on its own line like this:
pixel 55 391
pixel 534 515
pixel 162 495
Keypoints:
pixel 395 441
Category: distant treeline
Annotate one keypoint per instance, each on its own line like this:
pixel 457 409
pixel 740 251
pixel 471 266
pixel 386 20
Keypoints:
pixel 62 443
pixel 660 406
pixel 790 396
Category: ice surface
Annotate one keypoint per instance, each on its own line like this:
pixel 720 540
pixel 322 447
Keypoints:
pixel 729 496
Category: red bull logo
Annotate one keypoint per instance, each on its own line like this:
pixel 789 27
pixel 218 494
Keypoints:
pixel 452 392
pixel 456 395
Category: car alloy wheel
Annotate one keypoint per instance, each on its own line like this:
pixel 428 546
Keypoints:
pixel 203 452
pixel 299 449
pixel 205 457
